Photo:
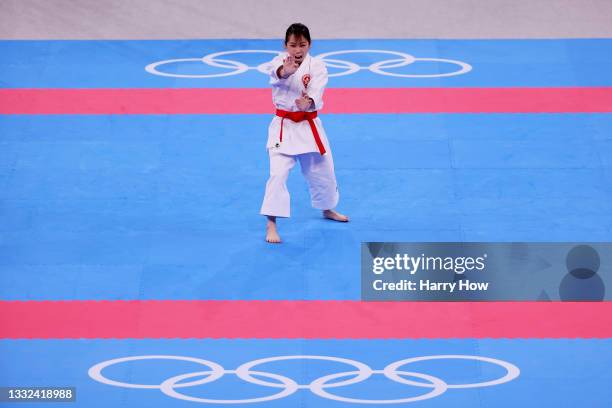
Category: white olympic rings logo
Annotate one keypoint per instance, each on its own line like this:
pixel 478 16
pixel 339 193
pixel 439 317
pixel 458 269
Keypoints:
pixel 318 386
pixel 349 67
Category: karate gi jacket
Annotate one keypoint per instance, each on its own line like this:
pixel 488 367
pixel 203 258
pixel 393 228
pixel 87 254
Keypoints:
pixel 311 77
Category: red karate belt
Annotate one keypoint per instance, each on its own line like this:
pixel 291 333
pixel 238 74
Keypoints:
pixel 298 117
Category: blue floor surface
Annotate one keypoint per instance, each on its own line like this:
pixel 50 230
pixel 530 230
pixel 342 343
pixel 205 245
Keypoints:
pixel 553 373
pixel 166 207
pixel 120 64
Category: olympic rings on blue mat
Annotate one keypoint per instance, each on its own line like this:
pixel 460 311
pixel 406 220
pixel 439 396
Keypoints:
pixel 349 67
pixel 319 386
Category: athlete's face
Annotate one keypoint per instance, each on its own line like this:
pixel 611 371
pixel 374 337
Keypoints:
pixel 297 47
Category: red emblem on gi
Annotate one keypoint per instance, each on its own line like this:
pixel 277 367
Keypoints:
pixel 306 80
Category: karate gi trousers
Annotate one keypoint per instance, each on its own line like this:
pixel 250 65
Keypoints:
pixel 318 170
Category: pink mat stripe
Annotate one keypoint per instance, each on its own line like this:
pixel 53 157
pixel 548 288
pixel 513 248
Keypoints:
pixel 337 100
pixel 303 319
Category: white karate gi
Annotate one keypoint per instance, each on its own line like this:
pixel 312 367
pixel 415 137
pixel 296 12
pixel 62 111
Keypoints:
pixel 298 141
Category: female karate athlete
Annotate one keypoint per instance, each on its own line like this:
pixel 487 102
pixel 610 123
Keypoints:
pixel 296 133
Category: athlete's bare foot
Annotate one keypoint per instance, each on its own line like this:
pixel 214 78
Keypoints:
pixel 271 232
pixel 332 215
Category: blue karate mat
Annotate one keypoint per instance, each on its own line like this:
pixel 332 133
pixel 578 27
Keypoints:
pixel 559 373
pixel 120 64
pixel 166 207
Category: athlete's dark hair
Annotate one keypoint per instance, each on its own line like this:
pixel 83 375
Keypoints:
pixel 298 30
